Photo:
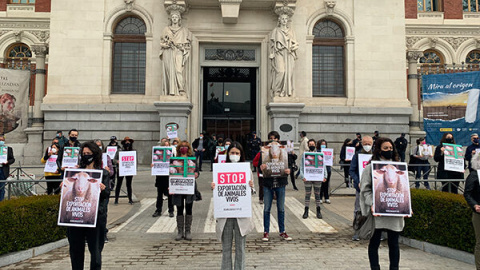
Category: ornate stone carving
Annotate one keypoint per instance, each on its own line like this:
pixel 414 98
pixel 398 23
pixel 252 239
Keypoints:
pixel 40 50
pixel 129 5
pixel 18 35
pixel 410 41
pixel 175 50
pixel 433 42
pixel 3 32
pixel 283 53
pixel 455 41
pixel 41 35
pixel 413 56
pixel 330 6
pixel 477 43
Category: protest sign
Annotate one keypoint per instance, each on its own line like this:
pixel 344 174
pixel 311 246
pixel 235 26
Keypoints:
pixel 161 159
pixel 391 191
pixel 172 130
pixel 426 150
pixel 70 157
pixel 290 146
pixel 80 197
pixel 232 196
pixel 51 164
pixel 104 160
pixel 363 160
pixel 454 157
pixel 275 156
pixel 111 151
pixel 350 152
pixel 327 156
pixel 3 154
pixel 182 175
pixel 222 158
pixel 313 166
pixel 127 163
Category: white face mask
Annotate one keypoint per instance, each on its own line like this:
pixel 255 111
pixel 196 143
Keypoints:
pixel 54 150
pixel 234 158
pixel 367 148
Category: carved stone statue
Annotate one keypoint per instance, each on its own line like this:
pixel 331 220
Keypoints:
pixel 283 53
pixel 175 49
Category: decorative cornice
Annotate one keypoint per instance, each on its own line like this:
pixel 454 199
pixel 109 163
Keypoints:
pixel 284 7
pixel 410 41
pixel 41 35
pixel 455 42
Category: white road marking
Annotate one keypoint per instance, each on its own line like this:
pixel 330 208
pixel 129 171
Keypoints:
pixel 145 204
pixel 312 222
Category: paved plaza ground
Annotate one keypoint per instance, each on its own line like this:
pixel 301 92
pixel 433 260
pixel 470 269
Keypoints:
pixel 139 241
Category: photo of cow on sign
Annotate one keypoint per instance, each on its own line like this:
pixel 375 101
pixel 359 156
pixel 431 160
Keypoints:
pixel 390 188
pixel 80 198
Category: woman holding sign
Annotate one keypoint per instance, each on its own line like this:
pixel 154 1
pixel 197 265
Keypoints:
pixel 229 228
pixel 472 196
pixel 91 158
pixel 309 183
pixel 161 183
pixel 184 224
pixel 127 144
pixel 52 158
pixel 439 157
pixel 384 150
pixel 322 144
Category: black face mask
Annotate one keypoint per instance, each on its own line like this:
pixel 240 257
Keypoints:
pixel 448 140
pixel 73 139
pixel 86 160
pixel 386 154
pixel 312 148
pixel 128 146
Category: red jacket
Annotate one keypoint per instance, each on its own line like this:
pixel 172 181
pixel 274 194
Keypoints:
pixel 255 162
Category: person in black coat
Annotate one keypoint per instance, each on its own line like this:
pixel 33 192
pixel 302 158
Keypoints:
pixel 472 196
pixel 91 158
pixel 450 186
pixel 5 171
pixel 401 145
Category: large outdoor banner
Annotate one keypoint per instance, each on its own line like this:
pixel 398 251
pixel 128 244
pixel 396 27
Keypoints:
pixel 232 196
pixel 450 104
pixel 80 197
pixel 182 175
pixel 391 191
pixel 275 156
pixel 14 103
pixel 127 163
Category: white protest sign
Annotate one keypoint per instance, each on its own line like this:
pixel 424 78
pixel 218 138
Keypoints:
pixel 181 185
pixel 350 152
pixel 80 197
pixel 161 159
pixel 104 160
pixel 313 166
pixel 111 151
pixel 3 154
pixel 328 156
pixel 454 158
pixel 232 196
pixel 70 157
pixel 363 160
pixel 172 130
pixel 222 158
pixel 51 164
pixel 127 163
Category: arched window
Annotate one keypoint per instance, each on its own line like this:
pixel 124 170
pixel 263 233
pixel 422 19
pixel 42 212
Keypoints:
pixel 473 57
pixel 328 63
pixel 18 56
pixel 129 56
pixel 432 57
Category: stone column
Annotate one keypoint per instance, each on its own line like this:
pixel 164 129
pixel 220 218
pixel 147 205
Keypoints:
pixel 284 119
pixel 415 131
pixel 176 112
pixel 41 51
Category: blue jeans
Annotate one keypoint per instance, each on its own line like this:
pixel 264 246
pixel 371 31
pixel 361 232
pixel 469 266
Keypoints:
pixel 424 171
pixel 2 185
pixel 267 199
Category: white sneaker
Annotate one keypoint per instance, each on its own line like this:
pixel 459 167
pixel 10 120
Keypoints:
pixel 321 201
pixel 327 201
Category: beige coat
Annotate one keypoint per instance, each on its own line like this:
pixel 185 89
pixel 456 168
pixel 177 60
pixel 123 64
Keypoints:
pixel 245 225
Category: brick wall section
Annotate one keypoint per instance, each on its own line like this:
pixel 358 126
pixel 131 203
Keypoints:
pixel 3 5
pixel 42 5
pixel 410 9
pixel 452 9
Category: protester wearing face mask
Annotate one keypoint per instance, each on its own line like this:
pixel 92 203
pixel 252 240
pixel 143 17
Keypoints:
pixel 62 141
pixel 161 183
pixel 127 145
pixel 53 187
pixel 345 163
pixel 309 184
pixel 229 228
pixel 321 144
pixel 423 166
pixel 439 156
pixel 184 222
pixel 384 150
pixel 73 139
pixel 200 145
pixel 227 144
pixel 91 158
pixel 367 143
pixel 472 150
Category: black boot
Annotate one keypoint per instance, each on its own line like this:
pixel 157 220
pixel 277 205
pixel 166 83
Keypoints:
pixel 319 214
pixel 305 215
pixel 180 228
